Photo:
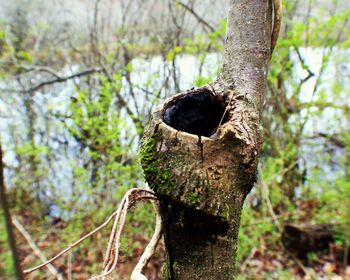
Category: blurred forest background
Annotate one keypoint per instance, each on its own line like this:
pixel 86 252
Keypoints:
pixel 78 80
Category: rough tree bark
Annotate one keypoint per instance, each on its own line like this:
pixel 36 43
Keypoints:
pixel 200 151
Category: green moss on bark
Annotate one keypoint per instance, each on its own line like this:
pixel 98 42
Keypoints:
pixel 157 174
pixel 192 198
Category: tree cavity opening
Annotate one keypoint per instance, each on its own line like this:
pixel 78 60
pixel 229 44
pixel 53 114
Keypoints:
pixel 197 113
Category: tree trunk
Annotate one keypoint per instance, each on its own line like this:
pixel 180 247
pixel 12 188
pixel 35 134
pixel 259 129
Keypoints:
pixel 200 151
pixel 8 222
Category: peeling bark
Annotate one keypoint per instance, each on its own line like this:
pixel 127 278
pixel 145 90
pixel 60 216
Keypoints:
pixel 200 151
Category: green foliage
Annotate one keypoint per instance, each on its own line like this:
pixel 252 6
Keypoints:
pixel 201 81
pixel 25 56
pixel 250 239
pixel 98 126
pixel 171 54
pixel 334 200
pixel 29 150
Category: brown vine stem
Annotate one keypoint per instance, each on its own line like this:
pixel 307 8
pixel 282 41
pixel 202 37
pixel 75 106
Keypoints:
pixel 277 20
pixel 130 199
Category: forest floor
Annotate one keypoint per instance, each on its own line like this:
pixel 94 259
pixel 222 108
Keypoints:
pixel 84 260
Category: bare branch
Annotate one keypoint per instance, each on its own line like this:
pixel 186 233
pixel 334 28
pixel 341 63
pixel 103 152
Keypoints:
pixel 35 248
pixel 122 102
pixel 64 79
pixel 40 68
pixel 200 19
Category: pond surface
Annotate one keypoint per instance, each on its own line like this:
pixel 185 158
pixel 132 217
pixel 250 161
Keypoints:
pixel 148 76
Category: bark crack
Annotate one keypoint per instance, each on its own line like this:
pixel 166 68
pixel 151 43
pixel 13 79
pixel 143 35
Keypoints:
pixel 200 144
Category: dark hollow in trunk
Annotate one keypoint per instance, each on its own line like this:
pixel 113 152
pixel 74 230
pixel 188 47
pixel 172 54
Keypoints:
pixel 198 113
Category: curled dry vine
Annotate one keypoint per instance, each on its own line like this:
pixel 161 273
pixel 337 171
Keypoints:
pixel 277 19
pixel 129 200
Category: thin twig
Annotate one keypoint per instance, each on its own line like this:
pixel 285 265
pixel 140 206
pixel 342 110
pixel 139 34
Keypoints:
pixel 200 19
pixel 226 109
pixel 246 261
pixel 269 206
pixel 69 266
pixel 64 79
pixel 40 68
pixel 309 272
pixel 27 271
pixel 35 248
